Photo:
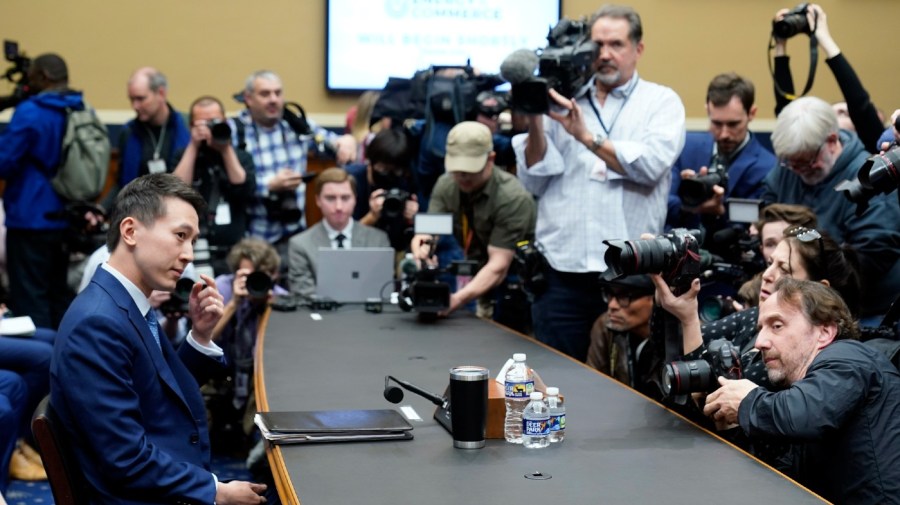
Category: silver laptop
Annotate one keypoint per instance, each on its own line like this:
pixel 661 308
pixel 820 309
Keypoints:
pixel 354 275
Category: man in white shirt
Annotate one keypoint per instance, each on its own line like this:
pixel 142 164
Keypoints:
pixel 600 165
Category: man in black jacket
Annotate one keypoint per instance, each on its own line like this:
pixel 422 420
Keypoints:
pixel 841 408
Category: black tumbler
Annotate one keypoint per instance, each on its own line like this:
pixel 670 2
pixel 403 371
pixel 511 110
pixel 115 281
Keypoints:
pixel 468 405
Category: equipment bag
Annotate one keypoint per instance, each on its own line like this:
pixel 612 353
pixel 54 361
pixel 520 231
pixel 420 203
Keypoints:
pixel 84 158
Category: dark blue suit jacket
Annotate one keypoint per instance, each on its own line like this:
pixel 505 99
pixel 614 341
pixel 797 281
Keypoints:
pixel 745 175
pixel 133 410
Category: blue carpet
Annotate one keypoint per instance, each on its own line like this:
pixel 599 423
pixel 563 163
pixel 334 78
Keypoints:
pixel 21 492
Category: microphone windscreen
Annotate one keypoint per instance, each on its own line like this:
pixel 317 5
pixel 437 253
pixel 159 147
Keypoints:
pixel 519 66
pixel 393 394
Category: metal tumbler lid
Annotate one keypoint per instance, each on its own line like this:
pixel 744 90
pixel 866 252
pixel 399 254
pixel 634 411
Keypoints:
pixel 469 373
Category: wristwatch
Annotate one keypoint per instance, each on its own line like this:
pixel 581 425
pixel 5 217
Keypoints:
pixel 599 139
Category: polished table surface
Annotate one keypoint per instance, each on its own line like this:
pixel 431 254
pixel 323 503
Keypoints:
pixel 620 447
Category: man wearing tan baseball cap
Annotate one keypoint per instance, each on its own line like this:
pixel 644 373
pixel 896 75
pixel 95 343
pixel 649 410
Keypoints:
pixel 491 213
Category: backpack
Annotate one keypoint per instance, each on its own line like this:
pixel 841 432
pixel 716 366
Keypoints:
pixel 84 157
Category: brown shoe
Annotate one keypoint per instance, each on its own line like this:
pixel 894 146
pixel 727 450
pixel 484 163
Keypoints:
pixel 30 453
pixel 20 468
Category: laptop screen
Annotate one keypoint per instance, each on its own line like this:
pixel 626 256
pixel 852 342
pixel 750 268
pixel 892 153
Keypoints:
pixel 354 275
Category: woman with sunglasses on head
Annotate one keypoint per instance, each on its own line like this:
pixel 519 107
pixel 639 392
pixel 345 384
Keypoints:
pixel 803 254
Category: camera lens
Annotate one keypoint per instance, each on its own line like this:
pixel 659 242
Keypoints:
pixel 394 202
pixel 220 131
pixel 793 23
pixel 258 285
pixel 715 308
pixel 882 171
pixel 629 257
pixel 683 377
pixel 696 190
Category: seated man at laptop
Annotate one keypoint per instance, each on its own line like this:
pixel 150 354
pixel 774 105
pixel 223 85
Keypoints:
pixel 336 198
pixel 491 210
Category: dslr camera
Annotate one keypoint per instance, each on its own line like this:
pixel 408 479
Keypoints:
pixel 394 202
pixel 794 22
pixel 698 189
pixel 281 206
pixel 220 131
pixel 879 174
pixel 566 65
pixel 721 359
pixel 675 255
pixel 179 302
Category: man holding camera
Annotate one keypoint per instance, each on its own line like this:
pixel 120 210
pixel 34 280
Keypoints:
pixel 815 156
pixel 728 162
pixel 336 198
pixel 491 212
pixel 279 155
pixel 600 165
pixel 841 404
pixel 223 174
pixel 30 151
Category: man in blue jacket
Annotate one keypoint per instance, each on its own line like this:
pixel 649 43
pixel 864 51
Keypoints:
pixel 729 148
pixel 30 147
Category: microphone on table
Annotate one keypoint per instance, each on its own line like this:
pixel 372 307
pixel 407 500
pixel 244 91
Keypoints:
pixel 394 394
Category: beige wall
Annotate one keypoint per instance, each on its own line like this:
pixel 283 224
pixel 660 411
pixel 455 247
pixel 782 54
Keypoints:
pixel 209 46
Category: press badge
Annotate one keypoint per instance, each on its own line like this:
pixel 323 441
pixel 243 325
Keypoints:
pixel 223 214
pixel 156 166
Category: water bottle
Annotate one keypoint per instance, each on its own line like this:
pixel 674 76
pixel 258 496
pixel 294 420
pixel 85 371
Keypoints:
pixel 536 423
pixel 518 385
pixel 557 415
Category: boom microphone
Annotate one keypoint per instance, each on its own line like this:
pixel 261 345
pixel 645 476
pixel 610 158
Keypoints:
pixel 519 66
pixel 393 394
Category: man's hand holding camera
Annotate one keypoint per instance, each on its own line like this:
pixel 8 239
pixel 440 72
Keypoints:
pixel 722 404
pixel 285 180
pixel 376 205
pixel 715 205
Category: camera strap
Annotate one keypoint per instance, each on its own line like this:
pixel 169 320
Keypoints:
pixel 813 61
pixel 615 118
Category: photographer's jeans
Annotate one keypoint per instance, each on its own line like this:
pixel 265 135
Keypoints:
pixel 565 312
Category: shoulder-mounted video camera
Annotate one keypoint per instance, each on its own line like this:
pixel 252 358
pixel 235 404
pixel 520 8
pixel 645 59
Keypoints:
pixel 16 74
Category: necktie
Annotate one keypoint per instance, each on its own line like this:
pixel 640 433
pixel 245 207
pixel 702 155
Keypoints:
pixel 340 240
pixel 154 326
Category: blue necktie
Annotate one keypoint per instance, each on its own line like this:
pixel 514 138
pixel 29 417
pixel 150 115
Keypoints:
pixel 154 326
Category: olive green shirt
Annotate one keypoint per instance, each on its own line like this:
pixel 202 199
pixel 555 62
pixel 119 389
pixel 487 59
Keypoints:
pixel 503 212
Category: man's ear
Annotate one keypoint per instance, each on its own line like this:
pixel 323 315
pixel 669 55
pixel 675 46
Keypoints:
pixel 127 230
pixel 826 336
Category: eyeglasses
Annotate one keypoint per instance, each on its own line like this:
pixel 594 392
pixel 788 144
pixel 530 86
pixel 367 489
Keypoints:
pixel 804 234
pixel 624 299
pixel 790 165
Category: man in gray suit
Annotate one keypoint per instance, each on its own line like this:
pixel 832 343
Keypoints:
pixel 336 198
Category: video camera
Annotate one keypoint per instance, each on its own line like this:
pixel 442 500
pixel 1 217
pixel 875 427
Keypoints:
pixel 17 74
pixel 879 174
pixel 675 255
pixel 423 290
pixel 721 359
pixel 566 65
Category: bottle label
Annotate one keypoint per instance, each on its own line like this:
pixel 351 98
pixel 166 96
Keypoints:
pixel 535 427
pixel 558 423
pixel 519 389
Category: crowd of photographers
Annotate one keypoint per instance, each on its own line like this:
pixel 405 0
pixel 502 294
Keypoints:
pixel 675 262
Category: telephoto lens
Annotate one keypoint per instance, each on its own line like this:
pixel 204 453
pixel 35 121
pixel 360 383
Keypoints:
pixel 258 285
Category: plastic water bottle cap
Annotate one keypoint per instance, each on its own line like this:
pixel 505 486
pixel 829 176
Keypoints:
pixel 537 395
pixel 519 356
pixel 551 391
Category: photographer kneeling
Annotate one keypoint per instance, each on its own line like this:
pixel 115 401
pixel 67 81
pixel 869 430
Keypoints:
pixel 491 213
pixel 223 175
pixel 841 403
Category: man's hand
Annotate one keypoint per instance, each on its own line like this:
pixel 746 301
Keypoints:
pixel 239 286
pixel 238 492
pixel 345 149
pixel 206 308
pixel 684 307
pixel 285 180
pixel 421 247
pixel 376 202
pixel 715 205
pixel 411 208
pixel 722 404
pixel 201 134
pixel 573 120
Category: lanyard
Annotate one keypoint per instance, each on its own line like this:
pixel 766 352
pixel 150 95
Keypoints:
pixel 157 146
pixel 615 118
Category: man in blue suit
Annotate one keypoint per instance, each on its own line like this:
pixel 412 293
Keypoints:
pixel 728 148
pixel 130 403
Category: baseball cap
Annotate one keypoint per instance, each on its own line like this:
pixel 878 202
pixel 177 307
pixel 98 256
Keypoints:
pixel 468 146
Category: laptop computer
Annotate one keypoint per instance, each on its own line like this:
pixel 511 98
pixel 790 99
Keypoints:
pixel 354 275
